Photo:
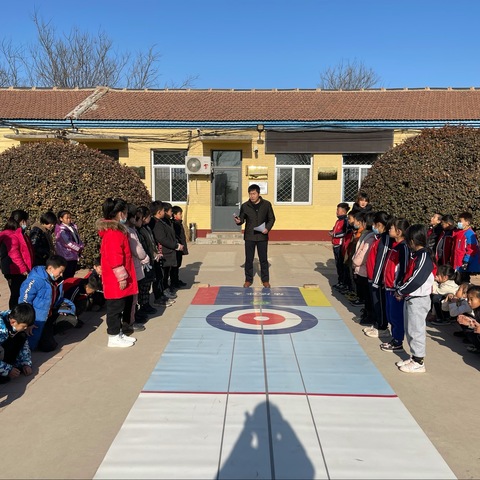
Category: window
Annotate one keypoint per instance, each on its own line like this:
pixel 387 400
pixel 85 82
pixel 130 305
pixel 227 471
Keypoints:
pixel 114 153
pixel 293 178
pixel 170 182
pixel 355 169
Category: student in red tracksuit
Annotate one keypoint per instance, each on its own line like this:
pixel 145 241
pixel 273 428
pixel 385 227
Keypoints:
pixel 395 268
pixel 465 255
pixel 375 270
pixel 415 289
pixel 338 234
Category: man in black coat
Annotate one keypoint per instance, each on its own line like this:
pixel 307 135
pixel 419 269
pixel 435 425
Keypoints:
pixel 259 218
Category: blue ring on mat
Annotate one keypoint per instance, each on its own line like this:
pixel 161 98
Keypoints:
pixel 215 319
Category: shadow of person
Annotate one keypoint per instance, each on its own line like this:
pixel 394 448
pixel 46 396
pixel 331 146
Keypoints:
pixel 189 272
pixel 444 336
pixel 91 321
pixel 13 390
pixel 327 269
pixel 267 448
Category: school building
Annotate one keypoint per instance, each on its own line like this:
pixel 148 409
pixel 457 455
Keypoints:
pixel 200 149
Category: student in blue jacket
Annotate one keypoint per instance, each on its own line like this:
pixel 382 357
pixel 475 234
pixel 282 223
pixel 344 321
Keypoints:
pixel 43 288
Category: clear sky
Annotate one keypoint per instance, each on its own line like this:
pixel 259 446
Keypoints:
pixel 246 44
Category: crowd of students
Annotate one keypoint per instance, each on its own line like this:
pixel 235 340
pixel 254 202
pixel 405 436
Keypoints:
pixel 404 276
pixel 141 251
pixel 401 275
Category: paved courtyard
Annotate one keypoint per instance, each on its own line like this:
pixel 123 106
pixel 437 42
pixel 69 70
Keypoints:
pixel 71 410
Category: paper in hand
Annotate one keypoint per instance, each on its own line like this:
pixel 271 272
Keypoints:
pixel 260 228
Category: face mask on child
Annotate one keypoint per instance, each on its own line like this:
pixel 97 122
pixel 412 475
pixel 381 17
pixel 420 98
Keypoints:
pixel 123 220
pixel 375 230
pixel 460 225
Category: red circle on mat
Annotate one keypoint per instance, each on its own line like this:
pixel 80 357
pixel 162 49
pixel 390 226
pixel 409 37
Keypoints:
pixel 256 318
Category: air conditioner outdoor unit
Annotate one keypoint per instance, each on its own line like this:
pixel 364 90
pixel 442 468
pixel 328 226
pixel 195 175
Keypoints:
pixel 196 165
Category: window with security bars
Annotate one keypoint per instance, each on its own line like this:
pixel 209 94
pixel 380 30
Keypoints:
pixel 293 178
pixel 354 170
pixel 170 182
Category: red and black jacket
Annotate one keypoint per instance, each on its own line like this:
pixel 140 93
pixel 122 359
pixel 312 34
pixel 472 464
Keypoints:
pixel 339 230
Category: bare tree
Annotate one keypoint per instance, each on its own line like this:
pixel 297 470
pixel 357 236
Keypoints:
pixel 77 59
pixel 11 64
pixel 143 71
pixel 188 82
pixel 349 75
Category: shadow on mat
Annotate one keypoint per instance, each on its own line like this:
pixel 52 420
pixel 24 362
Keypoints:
pixel 267 444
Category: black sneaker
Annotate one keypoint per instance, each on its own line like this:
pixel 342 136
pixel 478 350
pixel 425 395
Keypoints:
pixel 138 327
pixel 441 321
pixel 391 347
pixel 357 303
pixel 339 286
pixel 169 293
pixel 148 309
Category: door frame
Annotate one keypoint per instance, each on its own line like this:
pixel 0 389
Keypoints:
pixel 234 228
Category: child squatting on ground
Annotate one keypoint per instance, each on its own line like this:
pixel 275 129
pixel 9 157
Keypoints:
pixel 15 355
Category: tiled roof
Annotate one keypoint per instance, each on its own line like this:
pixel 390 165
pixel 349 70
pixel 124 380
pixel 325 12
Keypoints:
pixel 51 104
pixel 243 105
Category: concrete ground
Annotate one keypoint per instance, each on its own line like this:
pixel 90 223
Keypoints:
pixel 60 422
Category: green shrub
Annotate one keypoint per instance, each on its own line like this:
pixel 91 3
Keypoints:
pixel 436 171
pixel 38 177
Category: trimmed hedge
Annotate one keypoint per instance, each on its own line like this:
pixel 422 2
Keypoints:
pixel 38 177
pixel 436 171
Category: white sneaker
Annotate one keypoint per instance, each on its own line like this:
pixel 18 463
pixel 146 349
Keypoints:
pixel 375 333
pixel 401 363
pixel 128 338
pixel 413 367
pixel 368 329
pixel 119 341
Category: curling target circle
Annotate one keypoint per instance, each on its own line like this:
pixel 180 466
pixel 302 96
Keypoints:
pixel 269 321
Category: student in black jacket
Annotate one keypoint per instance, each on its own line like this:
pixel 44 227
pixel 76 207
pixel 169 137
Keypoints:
pixel 362 204
pixel 434 230
pixel 177 221
pixel 41 238
pixel 165 236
